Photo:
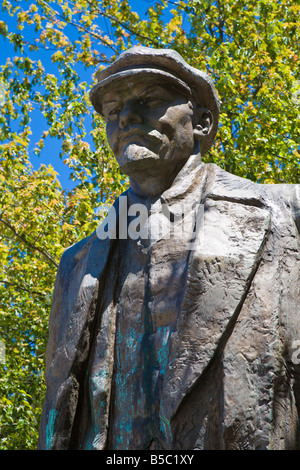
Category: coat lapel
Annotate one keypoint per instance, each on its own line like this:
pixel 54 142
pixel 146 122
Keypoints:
pixel 226 254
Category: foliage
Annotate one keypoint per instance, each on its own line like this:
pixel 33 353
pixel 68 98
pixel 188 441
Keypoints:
pixel 251 50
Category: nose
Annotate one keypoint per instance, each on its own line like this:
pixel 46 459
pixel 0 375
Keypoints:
pixel 130 114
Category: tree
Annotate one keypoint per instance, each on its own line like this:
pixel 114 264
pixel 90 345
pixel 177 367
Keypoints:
pixel 251 50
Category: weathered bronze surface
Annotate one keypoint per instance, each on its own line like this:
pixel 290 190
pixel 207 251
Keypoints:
pixel 175 325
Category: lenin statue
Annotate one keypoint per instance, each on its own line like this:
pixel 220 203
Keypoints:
pixel 176 324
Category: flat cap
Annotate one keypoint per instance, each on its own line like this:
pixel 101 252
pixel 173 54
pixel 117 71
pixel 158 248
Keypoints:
pixel 168 65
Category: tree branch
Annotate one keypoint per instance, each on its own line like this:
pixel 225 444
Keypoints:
pixel 80 27
pixel 113 18
pixel 30 245
pixel 221 21
pixel 23 288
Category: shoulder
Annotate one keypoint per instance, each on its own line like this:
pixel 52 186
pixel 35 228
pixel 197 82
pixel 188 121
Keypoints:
pixel 287 198
pixel 224 185
pixel 239 187
pixel 282 200
pixel 74 253
pixel 86 253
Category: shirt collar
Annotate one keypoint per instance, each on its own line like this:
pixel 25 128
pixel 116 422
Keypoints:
pixel 187 187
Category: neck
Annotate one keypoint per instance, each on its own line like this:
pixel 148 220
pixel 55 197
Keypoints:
pixel 149 186
pixel 154 183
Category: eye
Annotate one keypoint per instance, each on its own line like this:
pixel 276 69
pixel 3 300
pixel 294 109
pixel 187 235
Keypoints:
pixel 113 114
pixel 151 101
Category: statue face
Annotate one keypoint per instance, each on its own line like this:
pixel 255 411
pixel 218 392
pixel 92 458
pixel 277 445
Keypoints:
pixel 148 124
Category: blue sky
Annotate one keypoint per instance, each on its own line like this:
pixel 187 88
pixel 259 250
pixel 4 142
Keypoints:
pixel 50 154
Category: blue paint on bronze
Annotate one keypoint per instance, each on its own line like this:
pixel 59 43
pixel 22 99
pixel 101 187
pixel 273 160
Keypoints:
pixel 50 428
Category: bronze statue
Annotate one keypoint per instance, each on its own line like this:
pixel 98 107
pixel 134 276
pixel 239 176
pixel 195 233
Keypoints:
pixel 163 337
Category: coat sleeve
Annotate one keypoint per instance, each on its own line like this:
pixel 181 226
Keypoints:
pixel 59 310
pixel 71 317
pixel 58 386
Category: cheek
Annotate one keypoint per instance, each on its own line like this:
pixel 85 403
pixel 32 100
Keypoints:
pixel 177 125
pixel 112 133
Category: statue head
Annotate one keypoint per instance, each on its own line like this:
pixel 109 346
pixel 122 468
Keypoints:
pixel 159 110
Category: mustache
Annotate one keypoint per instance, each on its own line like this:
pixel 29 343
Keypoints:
pixel 150 135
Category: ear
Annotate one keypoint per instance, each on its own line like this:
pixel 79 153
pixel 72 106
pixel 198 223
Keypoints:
pixel 204 124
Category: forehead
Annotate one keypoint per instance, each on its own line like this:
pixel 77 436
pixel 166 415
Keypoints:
pixel 128 89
